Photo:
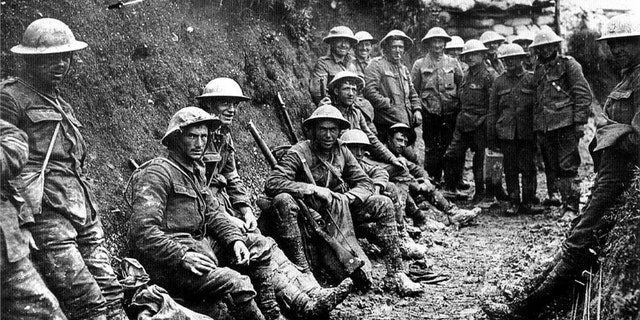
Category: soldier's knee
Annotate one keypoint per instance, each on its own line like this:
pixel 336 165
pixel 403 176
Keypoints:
pixel 383 205
pixel 260 247
pixel 286 207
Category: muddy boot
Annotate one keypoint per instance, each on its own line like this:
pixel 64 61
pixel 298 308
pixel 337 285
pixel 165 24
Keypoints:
pixel 533 304
pixel 294 249
pixel 462 217
pixel 261 277
pixel 248 310
pixel 514 208
pixel 400 283
pixel 323 301
pixel 409 248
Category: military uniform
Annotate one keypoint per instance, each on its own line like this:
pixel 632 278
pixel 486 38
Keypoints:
pixel 510 124
pixel 68 231
pixel 24 295
pixel 564 100
pixel 437 81
pixel 470 129
pixel 389 88
pixel 323 72
pixel 361 65
pixel 173 213
pixel 496 64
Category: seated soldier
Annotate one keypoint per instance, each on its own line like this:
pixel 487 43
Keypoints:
pixel 329 180
pixel 222 97
pixel 184 238
pixel 417 180
pixel 357 141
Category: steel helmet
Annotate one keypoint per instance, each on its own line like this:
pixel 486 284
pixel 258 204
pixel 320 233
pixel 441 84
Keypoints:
pixel 621 26
pixel 186 117
pixel 455 43
pixel 436 32
pixel 223 88
pixel 545 36
pixel 525 37
pixel 397 34
pixel 326 112
pixel 473 45
pixel 340 32
pixel 491 36
pixel 346 75
pixel 355 136
pixel 404 128
pixel 511 50
pixel 364 36
pixel 47 36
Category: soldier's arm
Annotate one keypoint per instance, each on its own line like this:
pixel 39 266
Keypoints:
pixel 238 193
pixel 458 74
pixel 149 200
pixel 373 76
pixel 15 150
pixel 282 179
pixel 416 76
pixel 492 113
pixel 219 224
pixel 414 98
pixel 378 150
pixel 319 74
pixel 379 176
pixel 630 143
pixel 9 109
pixel 580 92
pixel 361 185
pixel 417 171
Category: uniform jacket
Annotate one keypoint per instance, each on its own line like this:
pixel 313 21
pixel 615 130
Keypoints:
pixel 495 64
pixel 14 154
pixel 389 88
pixel 358 121
pixel 289 177
pixel 171 216
pixel 325 69
pixel 437 83
pixel 361 65
pixel 511 105
pixel 379 175
pixel 224 181
pixel 564 96
pixel 474 97
pixel 65 188
pixel 619 125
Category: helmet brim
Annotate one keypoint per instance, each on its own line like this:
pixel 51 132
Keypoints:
pixel 214 124
pixel 535 45
pixel 473 51
pixel 218 96
pixel 342 124
pixel 328 39
pixel 618 36
pixel 446 39
pixel 522 55
pixel 70 47
pixel 356 79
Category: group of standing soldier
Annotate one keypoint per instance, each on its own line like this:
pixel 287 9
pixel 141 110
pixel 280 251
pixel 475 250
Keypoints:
pixel 192 225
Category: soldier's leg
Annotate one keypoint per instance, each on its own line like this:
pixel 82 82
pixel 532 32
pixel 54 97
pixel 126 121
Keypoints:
pixel 432 127
pixel 568 162
pixel 510 150
pixel 289 236
pixel 90 242
pixel 477 147
pixel 455 216
pixel 551 167
pixel 398 193
pixel 456 151
pixel 24 295
pixel 63 267
pixel 527 167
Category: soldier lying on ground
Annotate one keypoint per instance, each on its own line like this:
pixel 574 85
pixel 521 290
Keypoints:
pixel 24 294
pixel 357 141
pixel 618 143
pixel 325 174
pixel 301 291
pixel 67 229
pixel 416 184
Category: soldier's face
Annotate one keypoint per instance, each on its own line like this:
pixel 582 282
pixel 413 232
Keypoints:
pixel 455 53
pixel 346 93
pixel 326 134
pixel 512 64
pixel 547 50
pixel 193 140
pixel 340 47
pixel 49 69
pixel 473 58
pixel 357 150
pixel 626 52
pixel 397 142
pixel 396 51
pixel 363 49
pixel 493 46
pixel 436 45
pixel 224 109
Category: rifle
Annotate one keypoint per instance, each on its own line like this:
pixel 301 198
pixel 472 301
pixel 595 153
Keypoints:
pixel 287 119
pixel 346 256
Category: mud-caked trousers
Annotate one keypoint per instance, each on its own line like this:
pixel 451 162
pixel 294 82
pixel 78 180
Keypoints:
pixel 519 159
pixel 76 266
pixel 476 141
pixel 561 160
pixel 437 132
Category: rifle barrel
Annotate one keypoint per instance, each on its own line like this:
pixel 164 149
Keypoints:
pixel 262 145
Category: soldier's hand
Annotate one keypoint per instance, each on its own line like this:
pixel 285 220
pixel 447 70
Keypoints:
pixel 417 118
pixel 400 163
pixel 28 237
pixel 427 187
pixel 323 193
pixel 197 263
pixel 241 252
pixel 376 190
pixel 250 221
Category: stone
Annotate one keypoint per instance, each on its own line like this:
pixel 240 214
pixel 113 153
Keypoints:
pixel 520 21
pixel 544 20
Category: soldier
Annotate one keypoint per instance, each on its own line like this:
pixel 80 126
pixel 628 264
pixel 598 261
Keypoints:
pixel 340 40
pixel 183 237
pixel 492 40
pixel 618 137
pixel 66 229
pixel 470 131
pixel 418 183
pixel 357 141
pixel 510 128
pixel 389 88
pixel 363 51
pixel 524 39
pixel 562 109
pixel 24 294
pixel 222 97
pixel 437 77
pixel 453 49
pixel 329 178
